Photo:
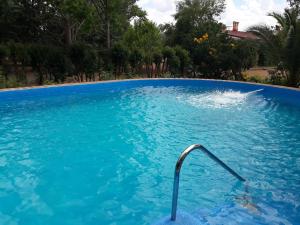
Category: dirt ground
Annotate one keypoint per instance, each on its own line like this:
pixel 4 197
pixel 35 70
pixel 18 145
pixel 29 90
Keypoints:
pixel 259 72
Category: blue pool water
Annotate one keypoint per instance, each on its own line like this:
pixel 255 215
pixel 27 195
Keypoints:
pixel 105 153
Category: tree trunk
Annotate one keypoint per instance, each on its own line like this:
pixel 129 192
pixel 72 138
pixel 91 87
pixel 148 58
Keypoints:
pixel 152 70
pixel 163 66
pixel 107 25
pixel 157 69
pixel 182 71
pixel 108 34
pixel 68 33
pixel 41 80
pixel 147 70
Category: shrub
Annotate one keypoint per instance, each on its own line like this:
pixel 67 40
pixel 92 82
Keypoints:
pixel 119 56
pixel 4 52
pixel 56 64
pixel 157 59
pixel 77 54
pixel 167 53
pixel 19 53
pixel 174 63
pixel 184 58
pixel 90 63
pixel 135 58
pixel 38 55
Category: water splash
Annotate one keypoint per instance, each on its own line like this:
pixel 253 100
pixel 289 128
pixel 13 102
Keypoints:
pixel 220 99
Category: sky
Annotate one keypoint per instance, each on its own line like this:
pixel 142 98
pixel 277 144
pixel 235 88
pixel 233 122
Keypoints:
pixel 247 12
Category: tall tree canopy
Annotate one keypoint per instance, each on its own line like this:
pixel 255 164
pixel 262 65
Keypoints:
pixel 195 16
pixel 115 16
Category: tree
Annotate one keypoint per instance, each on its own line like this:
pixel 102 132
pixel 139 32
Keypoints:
pixel 38 55
pixel 168 53
pixel 135 58
pixel 119 56
pixel 19 55
pixel 77 54
pixel 75 14
pixel 157 59
pixel 56 64
pixel 174 65
pixel 4 54
pixel 145 36
pixel 294 3
pixel 90 62
pixel 115 16
pixel 194 17
pixel 168 33
pixel 184 58
pixel 283 43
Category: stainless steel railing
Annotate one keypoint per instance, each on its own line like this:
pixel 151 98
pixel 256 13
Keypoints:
pixel 178 167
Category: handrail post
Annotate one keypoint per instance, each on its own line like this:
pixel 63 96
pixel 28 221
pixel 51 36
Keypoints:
pixel 175 196
pixel 178 168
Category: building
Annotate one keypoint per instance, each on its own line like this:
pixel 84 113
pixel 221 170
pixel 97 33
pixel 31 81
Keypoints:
pixel 236 34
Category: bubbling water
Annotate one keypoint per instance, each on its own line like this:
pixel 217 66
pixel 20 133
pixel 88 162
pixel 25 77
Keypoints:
pixel 220 99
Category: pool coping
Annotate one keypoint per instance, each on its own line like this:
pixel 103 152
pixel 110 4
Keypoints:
pixel 139 79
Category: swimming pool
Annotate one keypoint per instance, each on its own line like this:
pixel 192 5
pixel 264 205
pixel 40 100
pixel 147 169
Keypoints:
pixel 105 153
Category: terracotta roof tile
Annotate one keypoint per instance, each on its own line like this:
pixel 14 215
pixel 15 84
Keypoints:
pixel 242 35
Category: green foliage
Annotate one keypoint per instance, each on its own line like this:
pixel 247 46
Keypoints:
pixel 84 60
pixel 174 64
pixel 294 3
pixel 38 55
pixel 4 52
pixel 168 33
pixel 2 78
pixel 222 57
pixel 278 76
pixel 90 62
pixel 168 52
pixel 284 42
pixel 157 56
pixel 19 53
pixel 157 59
pixel 76 54
pixel 183 56
pixel 75 9
pixel 135 58
pixel 114 18
pixel 194 18
pixel 143 35
pixel 56 63
pixel 200 10
pixel 78 17
pixel 119 57
pixel 119 54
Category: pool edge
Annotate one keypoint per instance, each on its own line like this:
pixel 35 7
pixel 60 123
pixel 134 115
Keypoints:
pixel 143 79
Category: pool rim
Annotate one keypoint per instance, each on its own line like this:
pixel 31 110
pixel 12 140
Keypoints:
pixel 280 87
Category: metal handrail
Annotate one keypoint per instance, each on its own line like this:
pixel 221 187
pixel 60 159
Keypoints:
pixel 178 167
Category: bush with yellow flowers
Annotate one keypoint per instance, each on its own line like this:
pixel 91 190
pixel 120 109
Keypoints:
pixel 201 39
pixel 222 57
